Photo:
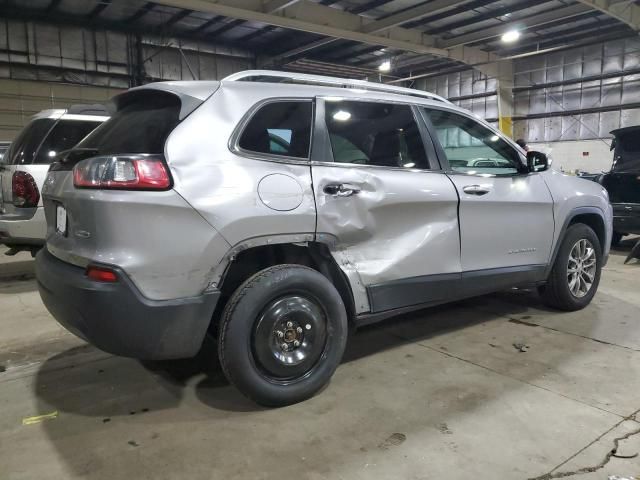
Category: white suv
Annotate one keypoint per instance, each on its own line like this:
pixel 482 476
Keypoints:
pixel 25 165
pixel 274 216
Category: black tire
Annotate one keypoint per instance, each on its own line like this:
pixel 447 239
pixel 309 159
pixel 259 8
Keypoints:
pixel 557 292
pixel 615 239
pixel 293 298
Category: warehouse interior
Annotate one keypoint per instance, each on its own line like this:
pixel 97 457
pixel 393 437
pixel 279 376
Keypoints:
pixel 496 386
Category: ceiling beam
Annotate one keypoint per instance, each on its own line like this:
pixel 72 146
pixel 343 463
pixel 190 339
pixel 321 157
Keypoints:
pixel 273 6
pixel 311 17
pixel 411 14
pixel 468 7
pixel 97 10
pixel 520 24
pixel 53 4
pixel 626 11
pixel 332 23
pixel 142 11
pixel 176 17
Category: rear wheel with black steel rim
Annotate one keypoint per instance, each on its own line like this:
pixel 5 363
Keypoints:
pixel 576 272
pixel 282 335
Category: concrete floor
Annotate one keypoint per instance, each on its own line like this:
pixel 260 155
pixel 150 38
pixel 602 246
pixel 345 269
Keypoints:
pixel 441 394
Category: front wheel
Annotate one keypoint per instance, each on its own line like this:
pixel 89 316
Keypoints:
pixel 576 272
pixel 282 335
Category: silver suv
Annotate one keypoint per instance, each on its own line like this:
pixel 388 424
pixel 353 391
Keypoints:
pixel 25 165
pixel 274 211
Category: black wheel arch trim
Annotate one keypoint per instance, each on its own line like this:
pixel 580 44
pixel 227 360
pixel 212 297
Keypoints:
pixel 565 226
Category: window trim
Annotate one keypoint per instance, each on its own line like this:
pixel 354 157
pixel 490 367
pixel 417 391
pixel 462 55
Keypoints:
pixel 234 140
pixel 323 141
pixel 442 156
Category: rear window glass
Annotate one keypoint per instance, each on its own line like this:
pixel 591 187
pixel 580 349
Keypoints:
pixel 140 126
pixel 64 136
pixel 280 128
pixel 24 147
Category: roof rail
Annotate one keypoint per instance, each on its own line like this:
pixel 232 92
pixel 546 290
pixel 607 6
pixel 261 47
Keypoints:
pixel 332 81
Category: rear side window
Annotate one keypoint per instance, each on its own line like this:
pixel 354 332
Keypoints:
pixel 371 133
pixel 64 136
pixel 140 126
pixel 280 128
pixel 25 146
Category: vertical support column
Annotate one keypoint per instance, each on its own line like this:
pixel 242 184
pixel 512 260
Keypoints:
pixel 505 97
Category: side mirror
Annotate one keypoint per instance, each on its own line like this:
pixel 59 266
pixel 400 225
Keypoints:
pixel 538 162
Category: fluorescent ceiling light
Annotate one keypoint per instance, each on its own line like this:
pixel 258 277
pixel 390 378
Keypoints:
pixel 385 66
pixel 341 116
pixel 511 36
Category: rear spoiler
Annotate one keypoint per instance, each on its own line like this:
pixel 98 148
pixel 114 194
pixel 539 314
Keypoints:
pixel 191 94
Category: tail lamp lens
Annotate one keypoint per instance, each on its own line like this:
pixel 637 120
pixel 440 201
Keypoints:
pixel 25 190
pixel 122 172
pixel 102 274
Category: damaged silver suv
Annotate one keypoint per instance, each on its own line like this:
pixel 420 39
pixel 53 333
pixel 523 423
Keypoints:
pixel 274 211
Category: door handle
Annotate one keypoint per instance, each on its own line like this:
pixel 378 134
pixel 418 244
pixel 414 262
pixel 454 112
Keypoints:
pixel 475 190
pixel 341 190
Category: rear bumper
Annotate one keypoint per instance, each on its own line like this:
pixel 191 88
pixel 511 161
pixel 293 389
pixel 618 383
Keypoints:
pixel 17 230
pixel 116 318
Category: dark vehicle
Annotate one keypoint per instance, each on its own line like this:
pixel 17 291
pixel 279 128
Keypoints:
pixel 623 182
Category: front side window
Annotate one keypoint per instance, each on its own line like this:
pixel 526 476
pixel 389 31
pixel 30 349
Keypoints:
pixel 280 128
pixel 471 147
pixel 371 133
pixel 64 136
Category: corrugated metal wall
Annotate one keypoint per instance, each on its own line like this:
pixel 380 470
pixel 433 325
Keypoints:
pixel 19 100
pixel 36 59
pixel 469 89
pixel 578 94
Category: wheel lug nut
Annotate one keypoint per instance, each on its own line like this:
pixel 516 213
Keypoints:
pixel 279 334
pixel 296 343
pixel 284 347
pixel 308 326
pixel 289 324
pixel 299 329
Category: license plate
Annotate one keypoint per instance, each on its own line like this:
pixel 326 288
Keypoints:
pixel 61 220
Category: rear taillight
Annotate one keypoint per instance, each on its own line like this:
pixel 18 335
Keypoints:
pixel 100 274
pixel 140 172
pixel 25 190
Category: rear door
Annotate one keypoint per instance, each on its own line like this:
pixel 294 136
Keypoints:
pixel 384 203
pixel 506 216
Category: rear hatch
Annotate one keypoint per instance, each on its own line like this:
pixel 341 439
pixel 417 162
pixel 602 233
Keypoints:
pixel 30 156
pixel 87 216
pixel 21 154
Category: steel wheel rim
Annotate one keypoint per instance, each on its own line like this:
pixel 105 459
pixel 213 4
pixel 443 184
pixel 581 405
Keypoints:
pixel 581 268
pixel 289 338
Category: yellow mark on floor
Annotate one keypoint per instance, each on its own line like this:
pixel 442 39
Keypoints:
pixel 39 418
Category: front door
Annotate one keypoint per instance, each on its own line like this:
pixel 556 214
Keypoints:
pixel 383 203
pixel 506 216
